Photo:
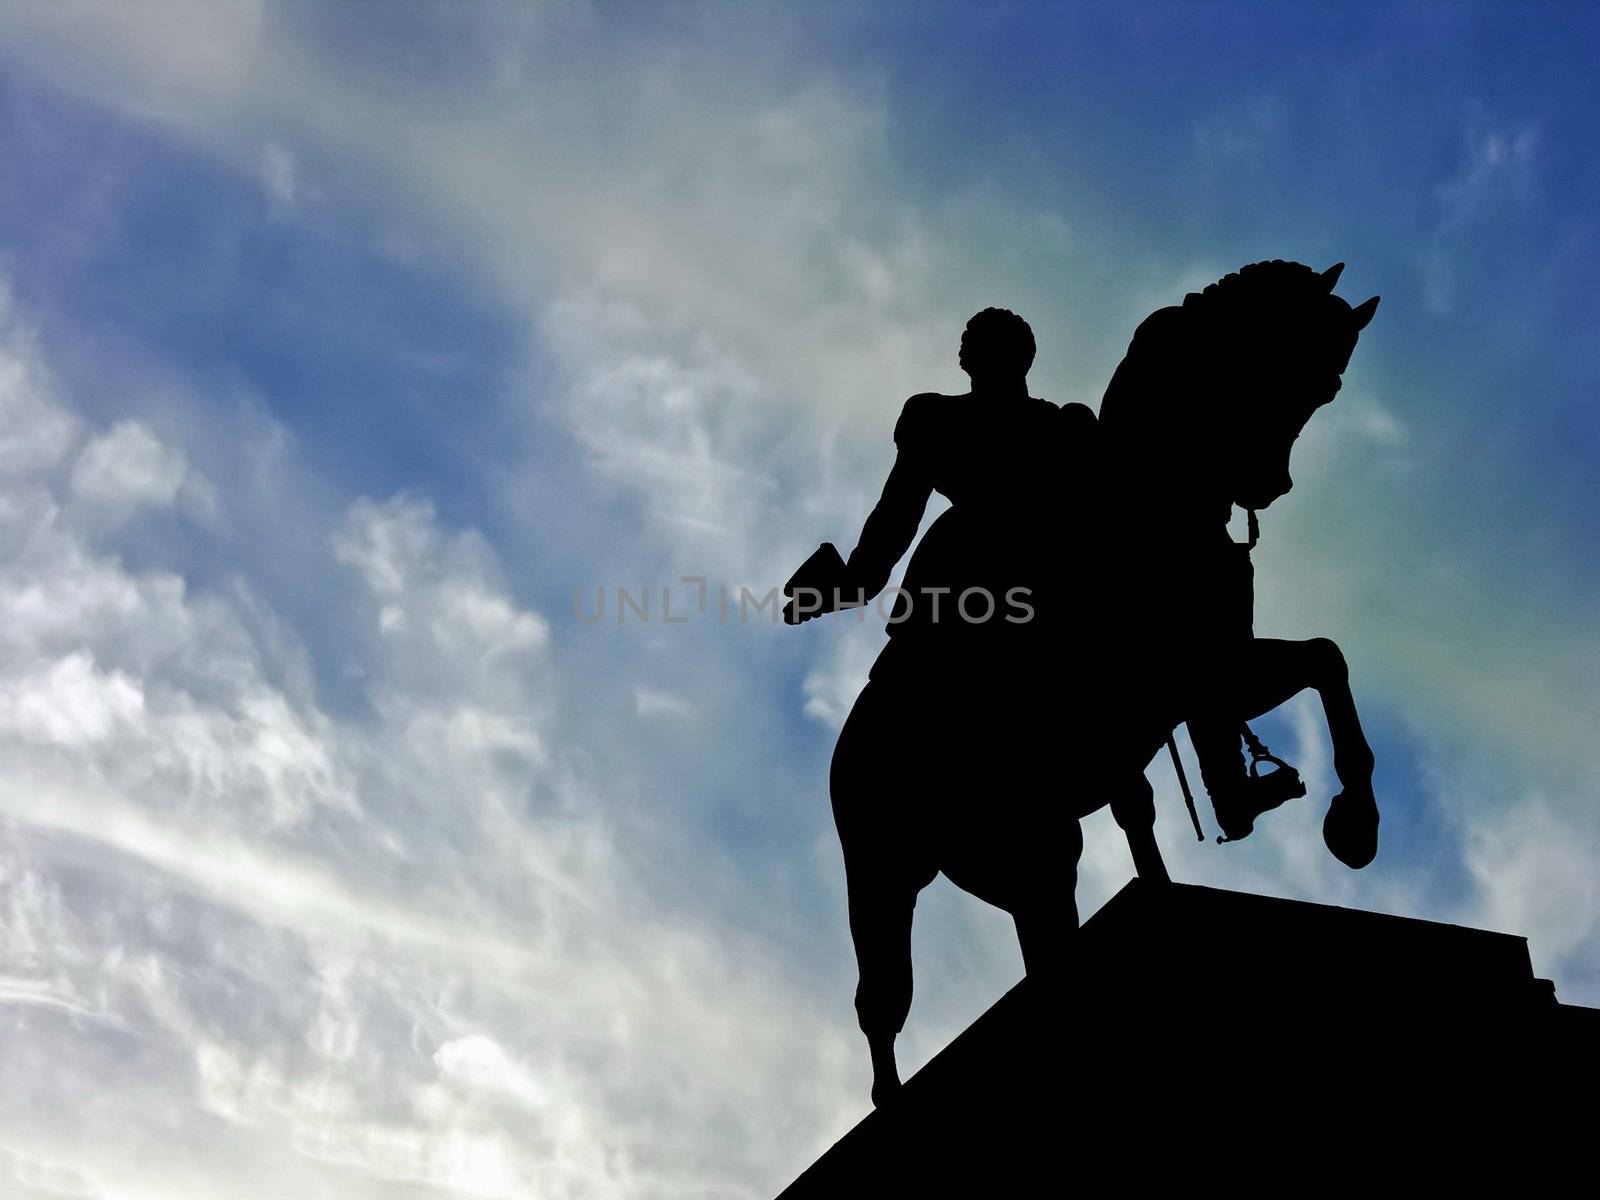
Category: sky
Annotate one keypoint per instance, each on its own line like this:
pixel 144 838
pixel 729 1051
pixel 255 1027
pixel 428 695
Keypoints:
pixel 350 355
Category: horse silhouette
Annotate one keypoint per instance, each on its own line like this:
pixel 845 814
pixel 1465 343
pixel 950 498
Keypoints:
pixel 1201 416
pixel 978 744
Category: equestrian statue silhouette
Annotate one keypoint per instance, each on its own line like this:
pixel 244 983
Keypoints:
pixel 1080 598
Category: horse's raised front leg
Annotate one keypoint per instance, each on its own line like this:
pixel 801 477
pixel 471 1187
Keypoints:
pixel 1269 672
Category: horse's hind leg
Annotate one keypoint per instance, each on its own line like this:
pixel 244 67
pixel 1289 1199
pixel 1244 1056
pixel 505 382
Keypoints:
pixel 882 871
pixel 1046 916
pixel 880 926
pixel 1133 804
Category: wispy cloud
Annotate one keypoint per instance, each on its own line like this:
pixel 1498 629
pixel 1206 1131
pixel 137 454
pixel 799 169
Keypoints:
pixel 280 178
pixel 1498 172
pixel 331 931
pixel 334 845
pixel 1241 131
pixel 653 702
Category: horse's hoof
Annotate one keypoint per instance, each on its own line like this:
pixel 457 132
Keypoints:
pixel 885 1090
pixel 1150 868
pixel 1147 861
pixel 1351 828
pixel 885 1074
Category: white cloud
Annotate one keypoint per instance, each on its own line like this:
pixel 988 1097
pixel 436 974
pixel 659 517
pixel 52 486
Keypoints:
pixel 480 1064
pixel 1534 868
pixel 653 702
pixel 174 60
pixel 35 431
pixel 127 468
pixel 279 176
pixel 39 1178
pixel 70 703
pixel 375 940
pixel 410 949
pixel 852 646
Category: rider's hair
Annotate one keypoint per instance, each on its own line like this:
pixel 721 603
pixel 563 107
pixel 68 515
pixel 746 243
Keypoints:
pixel 1000 342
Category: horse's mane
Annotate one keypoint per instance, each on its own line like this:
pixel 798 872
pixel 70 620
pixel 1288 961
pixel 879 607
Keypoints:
pixel 1260 291
pixel 1274 317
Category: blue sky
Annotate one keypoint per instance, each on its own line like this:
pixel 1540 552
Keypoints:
pixel 340 346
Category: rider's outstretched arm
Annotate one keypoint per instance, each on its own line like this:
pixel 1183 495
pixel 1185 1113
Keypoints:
pixel 889 528
pixel 892 524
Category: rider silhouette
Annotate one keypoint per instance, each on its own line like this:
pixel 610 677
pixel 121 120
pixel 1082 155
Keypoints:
pixel 995 453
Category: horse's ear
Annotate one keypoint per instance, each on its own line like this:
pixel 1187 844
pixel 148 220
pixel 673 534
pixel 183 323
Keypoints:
pixel 1331 276
pixel 1362 313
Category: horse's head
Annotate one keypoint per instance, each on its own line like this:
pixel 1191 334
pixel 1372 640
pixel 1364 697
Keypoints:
pixel 1279 340
pixel 1213 394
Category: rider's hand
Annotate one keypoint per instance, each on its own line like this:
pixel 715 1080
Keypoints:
pixel 794 613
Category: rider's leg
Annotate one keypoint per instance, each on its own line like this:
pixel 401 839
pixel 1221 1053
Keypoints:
pixel 1238 796
pixel 1214 733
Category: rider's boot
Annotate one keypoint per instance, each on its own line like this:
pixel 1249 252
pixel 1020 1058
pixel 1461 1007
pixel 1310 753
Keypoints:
pixel 1244 798
pixel 1238 794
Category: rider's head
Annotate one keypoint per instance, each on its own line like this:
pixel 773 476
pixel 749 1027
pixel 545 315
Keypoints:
pixel 997 347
